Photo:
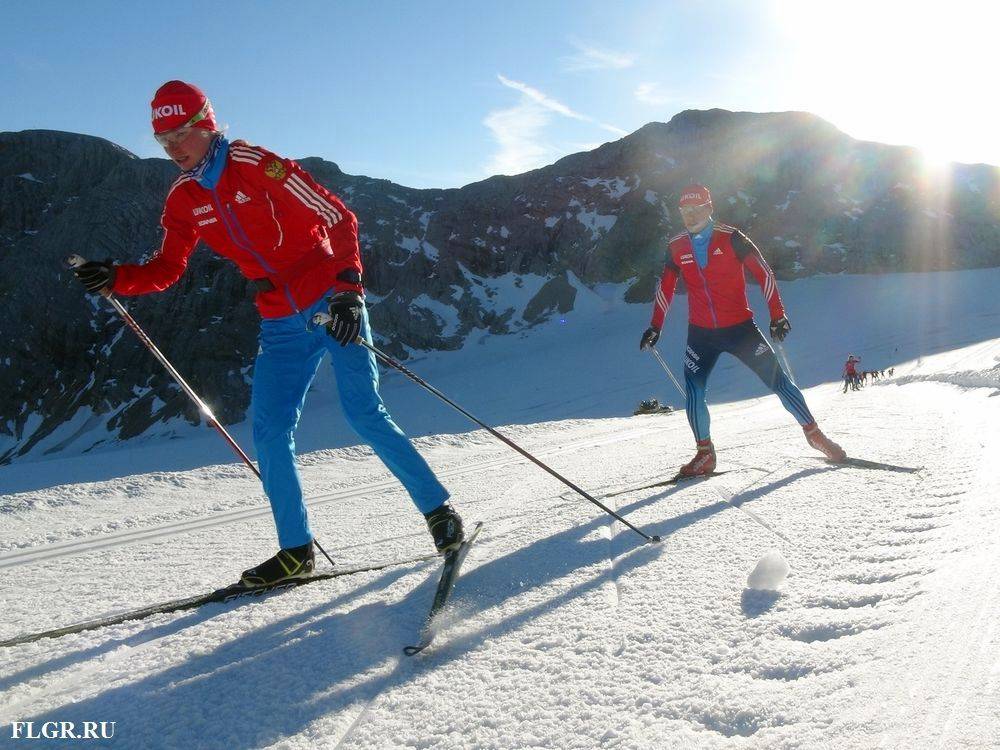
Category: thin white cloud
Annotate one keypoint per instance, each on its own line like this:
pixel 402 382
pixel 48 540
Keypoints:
pixel 537 96
pixel 556 106
pixel 519 130
pixel 650 93
pixel 588 57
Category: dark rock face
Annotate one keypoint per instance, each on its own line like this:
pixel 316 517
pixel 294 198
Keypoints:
pixel 494 256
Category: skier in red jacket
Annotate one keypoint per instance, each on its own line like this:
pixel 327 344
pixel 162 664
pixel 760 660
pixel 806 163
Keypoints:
pixel 298 244
pixel 712 257
pixel 851 373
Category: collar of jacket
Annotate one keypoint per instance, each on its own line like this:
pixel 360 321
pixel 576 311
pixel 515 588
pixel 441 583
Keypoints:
pixel 209 169
pixel 700 242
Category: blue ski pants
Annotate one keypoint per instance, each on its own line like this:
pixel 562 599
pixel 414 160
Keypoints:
pixel 286 364
pixel 745 342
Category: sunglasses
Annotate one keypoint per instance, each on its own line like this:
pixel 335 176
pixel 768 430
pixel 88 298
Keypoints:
pixel 688 210
pixel 181 132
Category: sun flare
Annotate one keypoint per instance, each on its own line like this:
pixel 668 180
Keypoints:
pixel 901 73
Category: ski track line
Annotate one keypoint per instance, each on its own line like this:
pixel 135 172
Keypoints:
pixel 965 648
pixel 391 680
pixel 975 653
pixel 612 588
pixel 62 690
pixel 516 516
pixel 367 709
pixel 130 536
pixel 972 644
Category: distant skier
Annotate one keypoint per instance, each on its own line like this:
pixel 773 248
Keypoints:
pixel 851 373
pixel 712 257
pixel 298 244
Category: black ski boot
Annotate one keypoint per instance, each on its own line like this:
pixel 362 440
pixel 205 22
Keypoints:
pixel 446 527
pixel 294 562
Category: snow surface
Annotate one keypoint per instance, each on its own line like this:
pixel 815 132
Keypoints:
pixel 566 630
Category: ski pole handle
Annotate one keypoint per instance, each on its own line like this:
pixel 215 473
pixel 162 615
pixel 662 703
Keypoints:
pixel 321 319
pixel 75 261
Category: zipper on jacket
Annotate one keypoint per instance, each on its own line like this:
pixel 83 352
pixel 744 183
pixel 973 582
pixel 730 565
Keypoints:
pixel 704 280
pixel 247 246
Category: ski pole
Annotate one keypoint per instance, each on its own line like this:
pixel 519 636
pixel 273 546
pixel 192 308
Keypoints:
pixel 784 360
pixel 323 319
pixel 74 261
pixel 667 370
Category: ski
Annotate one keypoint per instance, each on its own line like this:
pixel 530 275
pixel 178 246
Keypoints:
pixel 675 479
pixel 234 593
pixel 861 463
pixel 449 574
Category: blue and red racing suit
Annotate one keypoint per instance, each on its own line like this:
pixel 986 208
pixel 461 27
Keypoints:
pixel 299 243
pixel 720 319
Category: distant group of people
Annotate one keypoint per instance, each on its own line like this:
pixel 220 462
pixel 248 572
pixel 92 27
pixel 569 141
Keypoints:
pixel 856 379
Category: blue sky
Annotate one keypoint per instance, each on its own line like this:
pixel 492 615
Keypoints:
pixel 440 94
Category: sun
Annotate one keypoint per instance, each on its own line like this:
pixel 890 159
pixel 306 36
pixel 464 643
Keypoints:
pixel 901 73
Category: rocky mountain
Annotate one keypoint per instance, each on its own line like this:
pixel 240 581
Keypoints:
pixel 496 256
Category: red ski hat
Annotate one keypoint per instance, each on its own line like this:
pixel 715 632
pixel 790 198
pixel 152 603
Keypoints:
pixel 695 195
pixel 176 104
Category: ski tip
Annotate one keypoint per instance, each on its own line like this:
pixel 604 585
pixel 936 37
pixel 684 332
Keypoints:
pixel 413 650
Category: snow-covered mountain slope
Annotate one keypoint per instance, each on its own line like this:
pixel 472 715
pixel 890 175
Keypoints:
pixel 586 364
pixel 442 268
pixel 566 630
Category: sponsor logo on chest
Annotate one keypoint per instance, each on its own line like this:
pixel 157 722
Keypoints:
pixel 201 210
pixel 687 258
pixel 209 220
pixel 717 251
pixel 241 197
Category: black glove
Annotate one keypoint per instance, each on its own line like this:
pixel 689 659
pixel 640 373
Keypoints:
pixel 649 339
pixel 96 276
pixel 780 328
pixel 345 311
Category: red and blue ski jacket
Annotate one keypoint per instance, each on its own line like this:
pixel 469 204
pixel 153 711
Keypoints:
pixel 717 295
pixel 271 218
